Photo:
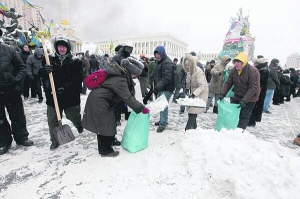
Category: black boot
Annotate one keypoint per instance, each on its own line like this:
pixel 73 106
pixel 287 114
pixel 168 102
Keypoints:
pixel 104 146
pixel 25 142
pixel 4 149
pixel 215 110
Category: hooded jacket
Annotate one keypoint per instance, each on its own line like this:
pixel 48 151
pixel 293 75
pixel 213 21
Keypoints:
pixel 217 80
pixel 33 63
pixel 197 82
pixel 163 73
pixel 246 84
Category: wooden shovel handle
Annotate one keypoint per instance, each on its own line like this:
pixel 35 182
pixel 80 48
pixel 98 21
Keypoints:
pixel 51 80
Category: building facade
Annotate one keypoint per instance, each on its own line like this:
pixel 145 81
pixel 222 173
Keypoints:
pixel 293 61
pixel 204 57
pixel 31 14
pixel 175 48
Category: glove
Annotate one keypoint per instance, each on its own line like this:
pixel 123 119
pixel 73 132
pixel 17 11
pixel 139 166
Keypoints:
pixel 221 97
pixel 145 110
pixel 147 97
pixel 192 96
pixel 242 104
pixel 31 77
pixel 48 68
pixel 124 62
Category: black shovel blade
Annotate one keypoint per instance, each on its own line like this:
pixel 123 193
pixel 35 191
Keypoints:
pixel 63 134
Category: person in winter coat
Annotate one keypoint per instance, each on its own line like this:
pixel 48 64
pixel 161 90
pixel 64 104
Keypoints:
pixel 273 82
pixel 119 108
pixel 294 78
pixel 262 66
pixel 33 65
pixel 94 64
pixel 179 75
pixel 85 70
pixel 143 78
pixel 285 85
pixel 216 82
pixel 246 81
pixel 164 82
pixel 99 115
pixel 66 69
pixel 198 89
pixel 12 74
pixel 104 62
pixel 25 53
pixel 208 69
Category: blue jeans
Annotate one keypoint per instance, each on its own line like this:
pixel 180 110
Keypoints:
pixel 92 70
pixel 164 114
pixel 268 98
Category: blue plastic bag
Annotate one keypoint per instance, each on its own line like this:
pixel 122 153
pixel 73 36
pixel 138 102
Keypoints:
pixel 136 133
pixel 228 115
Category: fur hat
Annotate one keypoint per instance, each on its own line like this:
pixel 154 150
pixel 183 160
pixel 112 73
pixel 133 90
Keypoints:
pixel 132 65
pixel 261 60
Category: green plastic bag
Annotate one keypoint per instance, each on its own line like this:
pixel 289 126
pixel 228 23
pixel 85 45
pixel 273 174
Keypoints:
pixel 230 92
pixel 136 133
pixel 228 115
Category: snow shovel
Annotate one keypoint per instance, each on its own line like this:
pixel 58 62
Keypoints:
pixel 63 133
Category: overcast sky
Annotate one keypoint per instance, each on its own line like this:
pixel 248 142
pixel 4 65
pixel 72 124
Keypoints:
pixel 202 24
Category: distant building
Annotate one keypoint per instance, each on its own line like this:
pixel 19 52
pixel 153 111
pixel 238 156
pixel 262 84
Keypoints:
pixel 31 14
pixel 146 44
pixel 293 61
pixel 207 56
pixel 65 29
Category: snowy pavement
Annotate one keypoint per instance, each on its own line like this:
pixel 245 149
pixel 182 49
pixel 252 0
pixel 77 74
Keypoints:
pixel 262 162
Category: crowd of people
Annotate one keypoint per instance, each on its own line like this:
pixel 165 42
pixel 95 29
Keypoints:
pixel 253 86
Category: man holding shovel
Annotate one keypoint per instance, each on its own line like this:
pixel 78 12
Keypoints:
pixel 67 75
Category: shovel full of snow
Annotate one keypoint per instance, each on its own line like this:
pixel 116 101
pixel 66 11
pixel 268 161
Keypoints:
pixel 62 133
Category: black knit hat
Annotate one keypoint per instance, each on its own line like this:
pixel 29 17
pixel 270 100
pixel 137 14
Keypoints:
pixel 213 61
pixel 274 61
pixel 193 53
pixel 118 48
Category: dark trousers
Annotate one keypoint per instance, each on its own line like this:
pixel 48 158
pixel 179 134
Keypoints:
pixel 36 86
pixel 72 114
pixel 191 123
pixel 12 101
pixel 26 86
pixel 83 88
pixel 245 115
pixel 104 144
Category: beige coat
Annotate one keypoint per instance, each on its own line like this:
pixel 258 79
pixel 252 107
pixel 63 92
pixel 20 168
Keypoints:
pixel 198 83
pixel 217 79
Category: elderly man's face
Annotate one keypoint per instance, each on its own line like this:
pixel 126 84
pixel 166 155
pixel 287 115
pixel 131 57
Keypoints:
pixel 157 56
pixel 238 65
pixel 62 50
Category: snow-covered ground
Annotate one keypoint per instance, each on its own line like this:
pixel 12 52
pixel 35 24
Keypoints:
pixel 260 163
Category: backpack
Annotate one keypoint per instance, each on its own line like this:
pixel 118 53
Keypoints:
pixel 95 79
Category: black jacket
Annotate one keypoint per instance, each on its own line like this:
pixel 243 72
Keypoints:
pixel 12 69
pixel 67 75
pixel 163 75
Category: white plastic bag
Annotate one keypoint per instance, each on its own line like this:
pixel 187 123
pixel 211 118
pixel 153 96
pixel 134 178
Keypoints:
pixel 158 105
